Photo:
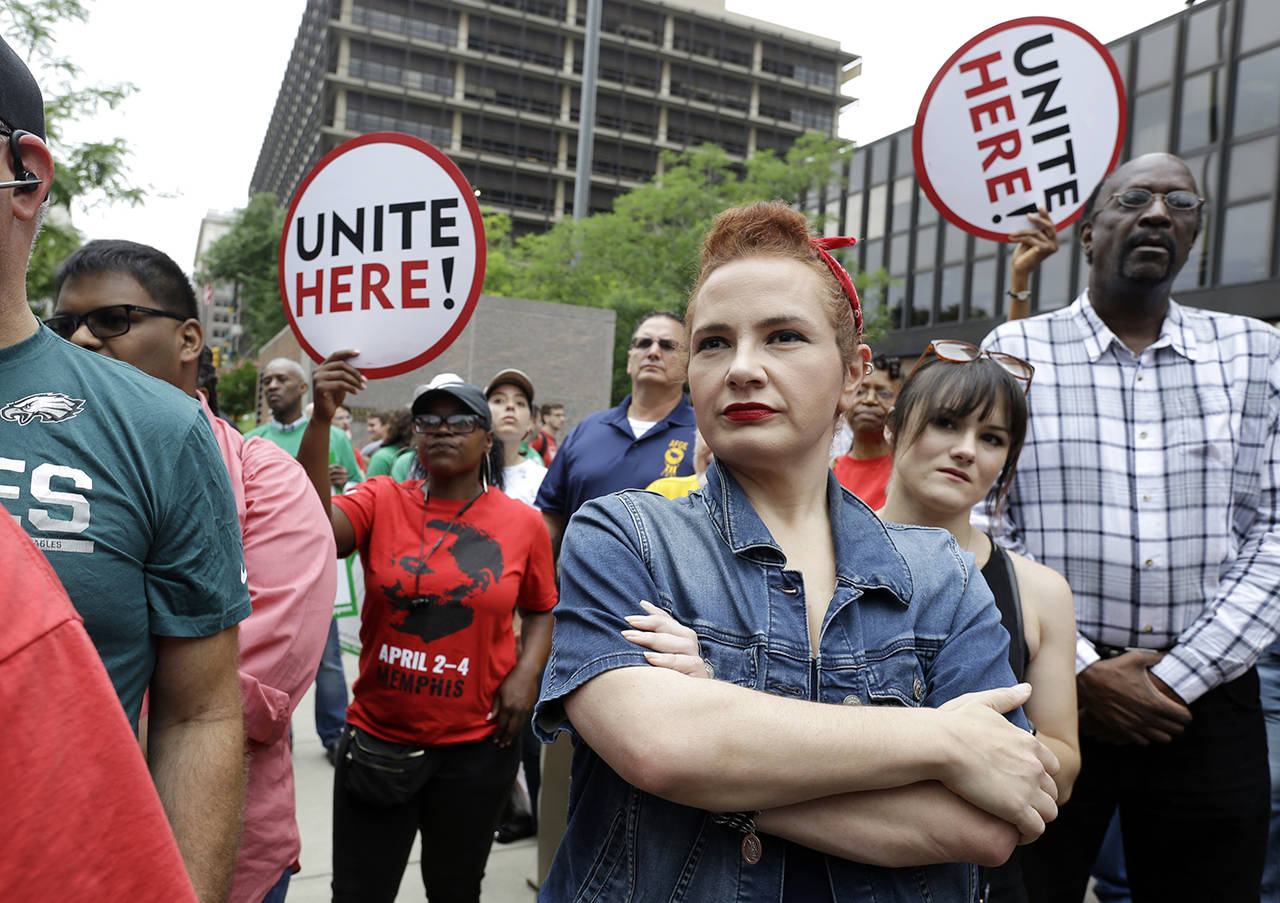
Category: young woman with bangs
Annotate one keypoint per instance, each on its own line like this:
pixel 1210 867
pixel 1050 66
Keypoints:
pixel 956 432
pixel 851 745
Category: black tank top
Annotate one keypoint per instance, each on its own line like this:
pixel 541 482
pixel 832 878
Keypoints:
pixel 1004 586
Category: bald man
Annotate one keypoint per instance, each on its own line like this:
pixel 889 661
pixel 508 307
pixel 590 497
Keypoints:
pixel 284 383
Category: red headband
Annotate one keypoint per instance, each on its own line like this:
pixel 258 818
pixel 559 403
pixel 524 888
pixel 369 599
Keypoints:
pixel 841 241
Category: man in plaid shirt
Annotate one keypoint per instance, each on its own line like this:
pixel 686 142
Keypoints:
pixel 1150 481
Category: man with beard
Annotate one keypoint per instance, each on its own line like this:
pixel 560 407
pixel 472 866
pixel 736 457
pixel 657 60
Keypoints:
pixel 1149 480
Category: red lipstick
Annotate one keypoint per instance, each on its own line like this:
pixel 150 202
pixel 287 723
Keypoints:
pixel 743 413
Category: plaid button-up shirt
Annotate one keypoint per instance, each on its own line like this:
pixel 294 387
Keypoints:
pixel 1151 482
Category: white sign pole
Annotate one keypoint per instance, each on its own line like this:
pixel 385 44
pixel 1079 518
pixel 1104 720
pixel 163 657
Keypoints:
pixel 1030 113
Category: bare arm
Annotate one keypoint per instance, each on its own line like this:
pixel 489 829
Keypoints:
pixel 555 526
pixel 1034 245
pixel 331 383
pixel 1051 671
pixel 668 735
pixel 921 824
pixel 514 699
pixel 196 754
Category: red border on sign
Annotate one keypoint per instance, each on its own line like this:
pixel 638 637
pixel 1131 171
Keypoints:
pixel 917 133
pixel 477 280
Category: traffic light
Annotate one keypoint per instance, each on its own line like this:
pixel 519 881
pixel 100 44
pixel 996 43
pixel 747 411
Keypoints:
pixel 217 356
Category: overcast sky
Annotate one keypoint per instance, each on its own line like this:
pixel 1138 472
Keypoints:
pixel 207 75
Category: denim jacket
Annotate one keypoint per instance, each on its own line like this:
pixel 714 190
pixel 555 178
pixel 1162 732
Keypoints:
pixel 911 623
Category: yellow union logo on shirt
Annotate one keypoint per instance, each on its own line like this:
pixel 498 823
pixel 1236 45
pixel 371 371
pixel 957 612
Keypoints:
pixel 673 456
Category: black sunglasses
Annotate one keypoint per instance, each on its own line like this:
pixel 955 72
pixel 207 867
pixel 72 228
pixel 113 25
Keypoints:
pixel 1139 198
pixel 457 423
pixel 642 343
pixel 105 322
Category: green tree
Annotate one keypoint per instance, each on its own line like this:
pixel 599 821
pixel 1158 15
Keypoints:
pixel 247 256
pixel 644 253
pixel 86 174
pixel 238 390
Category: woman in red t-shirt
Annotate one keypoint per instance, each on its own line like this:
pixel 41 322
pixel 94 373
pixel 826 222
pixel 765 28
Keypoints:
pixel 432 739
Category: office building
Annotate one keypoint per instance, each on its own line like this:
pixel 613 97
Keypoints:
pixel 1200 84
pixel 496 86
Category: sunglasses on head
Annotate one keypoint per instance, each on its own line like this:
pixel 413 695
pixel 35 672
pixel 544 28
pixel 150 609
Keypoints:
pixel 457 423
pixel 642 343
pixel 105 322
pixel 955 352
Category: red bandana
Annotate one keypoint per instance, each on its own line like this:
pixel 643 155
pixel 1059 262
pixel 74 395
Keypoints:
pixel 840 241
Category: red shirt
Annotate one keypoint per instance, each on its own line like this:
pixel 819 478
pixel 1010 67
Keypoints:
pixel 82 818
pixel 429 670
pixel 866 478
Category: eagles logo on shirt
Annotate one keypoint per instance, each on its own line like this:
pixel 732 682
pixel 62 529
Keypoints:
pixel 47 407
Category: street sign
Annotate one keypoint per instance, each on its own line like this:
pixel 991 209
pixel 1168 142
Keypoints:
pixel 1030 113
pixel 383 251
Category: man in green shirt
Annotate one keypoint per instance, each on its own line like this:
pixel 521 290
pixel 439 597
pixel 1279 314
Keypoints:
pixel 283 385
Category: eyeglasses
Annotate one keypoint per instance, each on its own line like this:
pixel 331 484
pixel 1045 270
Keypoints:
pixel 642 343
pixel 457 423
pixel 1139 198
pixel 954 352
pixel 105 322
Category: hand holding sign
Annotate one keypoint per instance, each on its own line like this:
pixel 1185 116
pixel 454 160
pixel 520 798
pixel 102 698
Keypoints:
pixel 1029 114
pixel 332 381
pixel 383 249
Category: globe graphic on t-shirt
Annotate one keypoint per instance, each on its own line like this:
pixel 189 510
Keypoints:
pixel 432 615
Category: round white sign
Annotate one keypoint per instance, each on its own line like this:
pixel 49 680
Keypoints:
pixel 383 251
pixel 1030 113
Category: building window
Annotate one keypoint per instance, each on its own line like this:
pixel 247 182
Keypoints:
pixel 1208 36
pixel 920 308
pixel 1252 171
pixel 952 297
pixel 1202 110
pixel 876 208
pixel 1257 100
pixel 1246 243
pixel 1151 122
pixel 983 293
pixel 903 189
pixel 853 216
pixel 1261 24
pixel 1054 290
pixel 1156 56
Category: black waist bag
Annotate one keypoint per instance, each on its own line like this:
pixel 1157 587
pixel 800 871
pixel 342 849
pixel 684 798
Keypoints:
pixel 379 772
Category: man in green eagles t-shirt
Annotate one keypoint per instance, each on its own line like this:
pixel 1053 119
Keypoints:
pixel 283 385
pixel 117 478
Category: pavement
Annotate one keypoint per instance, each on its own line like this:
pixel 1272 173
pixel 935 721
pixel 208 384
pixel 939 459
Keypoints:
pixel 505 877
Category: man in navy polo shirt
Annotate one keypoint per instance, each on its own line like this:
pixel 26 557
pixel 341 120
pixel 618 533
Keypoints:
pixel 648 436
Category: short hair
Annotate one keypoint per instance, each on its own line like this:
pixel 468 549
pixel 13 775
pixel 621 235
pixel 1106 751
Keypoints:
pixel 772 229
pixel 649 315
pixel 153 269
pixel 940 388
pixel 551 408
pixel 289 364
pixel 890 365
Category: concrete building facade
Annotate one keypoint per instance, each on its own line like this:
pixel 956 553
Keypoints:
pixel 566 350
pixel 496 86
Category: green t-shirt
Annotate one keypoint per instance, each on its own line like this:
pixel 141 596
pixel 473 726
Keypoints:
pixel 400 469
pixel 340 449
pixel 381 460
pixel 117 477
